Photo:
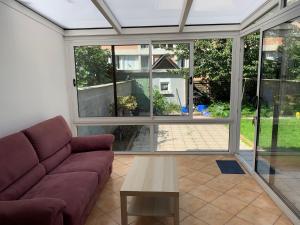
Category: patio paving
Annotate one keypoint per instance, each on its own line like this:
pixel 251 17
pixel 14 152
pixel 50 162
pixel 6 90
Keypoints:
pixel 185 137
pixel 192 137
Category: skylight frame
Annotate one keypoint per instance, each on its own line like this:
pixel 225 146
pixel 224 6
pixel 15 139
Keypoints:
pixel 181 27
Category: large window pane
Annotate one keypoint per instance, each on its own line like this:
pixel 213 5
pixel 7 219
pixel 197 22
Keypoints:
pixel 248 101
pixel 112 80
pixel 132 76
pixel 278 150
pixel 191 137
pixel 94 80
pixel 170 72
pixel 212 77
pixel 127 137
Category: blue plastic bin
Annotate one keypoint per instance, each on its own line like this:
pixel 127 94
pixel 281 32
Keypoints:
pixel 201 108
pixel 184 109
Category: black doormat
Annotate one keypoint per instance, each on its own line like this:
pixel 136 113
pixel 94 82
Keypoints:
pixel 230 167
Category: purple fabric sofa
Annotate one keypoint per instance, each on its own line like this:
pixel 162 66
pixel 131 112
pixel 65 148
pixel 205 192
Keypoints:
pixel 48 177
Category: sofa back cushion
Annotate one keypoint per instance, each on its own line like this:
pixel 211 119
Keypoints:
pixel 50 140
pixel 49 137
pixel 17 159
pixel 54 160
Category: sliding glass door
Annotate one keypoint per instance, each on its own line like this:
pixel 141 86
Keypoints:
pixel 278 132
pixel 248 97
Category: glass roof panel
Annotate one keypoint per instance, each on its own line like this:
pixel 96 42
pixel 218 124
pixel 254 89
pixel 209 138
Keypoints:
pixel 69 14
pixel 133 13
pixel 221 11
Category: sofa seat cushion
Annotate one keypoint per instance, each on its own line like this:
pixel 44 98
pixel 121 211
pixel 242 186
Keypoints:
pixel 95 161
pixel 76 189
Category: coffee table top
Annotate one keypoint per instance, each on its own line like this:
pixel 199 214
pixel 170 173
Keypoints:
pixel 152 175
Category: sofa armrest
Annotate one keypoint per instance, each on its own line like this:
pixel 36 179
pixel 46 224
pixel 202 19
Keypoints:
pixel 38 211
pixel 92 143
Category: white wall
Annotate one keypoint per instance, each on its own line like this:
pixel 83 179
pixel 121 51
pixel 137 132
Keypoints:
pixel 32 72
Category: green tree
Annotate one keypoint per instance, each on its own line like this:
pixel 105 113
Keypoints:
pixel 251 55
pixel 250 72
pixel 212 63
pixel 92 66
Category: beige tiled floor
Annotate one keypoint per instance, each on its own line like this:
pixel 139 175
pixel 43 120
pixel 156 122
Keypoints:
pixel 206 197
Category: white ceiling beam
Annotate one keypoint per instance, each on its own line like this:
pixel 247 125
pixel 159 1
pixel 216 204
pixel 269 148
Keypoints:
pixel 108 14
pixel 184 14
pixel 262 10
pixel 217 29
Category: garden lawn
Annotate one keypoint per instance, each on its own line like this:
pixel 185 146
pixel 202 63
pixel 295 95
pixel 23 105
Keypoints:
pixel 288 132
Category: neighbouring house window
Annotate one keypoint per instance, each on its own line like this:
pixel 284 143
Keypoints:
pixel 128 62
pixel 164 86
pixel 144 62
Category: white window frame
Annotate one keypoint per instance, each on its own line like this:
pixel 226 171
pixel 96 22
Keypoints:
pixel 71 42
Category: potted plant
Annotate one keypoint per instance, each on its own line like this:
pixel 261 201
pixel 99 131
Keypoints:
pixel 126 105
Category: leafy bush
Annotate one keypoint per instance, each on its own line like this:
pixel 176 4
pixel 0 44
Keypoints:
pixel 219 109
pixel 266 111
pixel 161 105
pixel 126 104
pixel 248 110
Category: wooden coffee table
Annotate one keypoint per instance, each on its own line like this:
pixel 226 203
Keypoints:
pixel 151 188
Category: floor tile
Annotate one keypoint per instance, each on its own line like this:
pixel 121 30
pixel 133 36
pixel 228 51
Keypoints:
pixel 264 202
pixel 205 193
pixel 190 203
pixel 257 216
pixel 220 186
pixel 213 215
pixel 283 220
pixel 238 221
pixel 243 195
pixel 212 170
pixel 250 184
pixel 229 204
pixel 191 220
pixel 185 184
pixel 199 178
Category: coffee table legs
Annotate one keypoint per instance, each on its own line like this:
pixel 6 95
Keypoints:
pixel 176 211
pixel 124 213
pixel 124 218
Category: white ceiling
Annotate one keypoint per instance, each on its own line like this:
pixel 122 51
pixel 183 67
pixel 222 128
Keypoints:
pixel 80 14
